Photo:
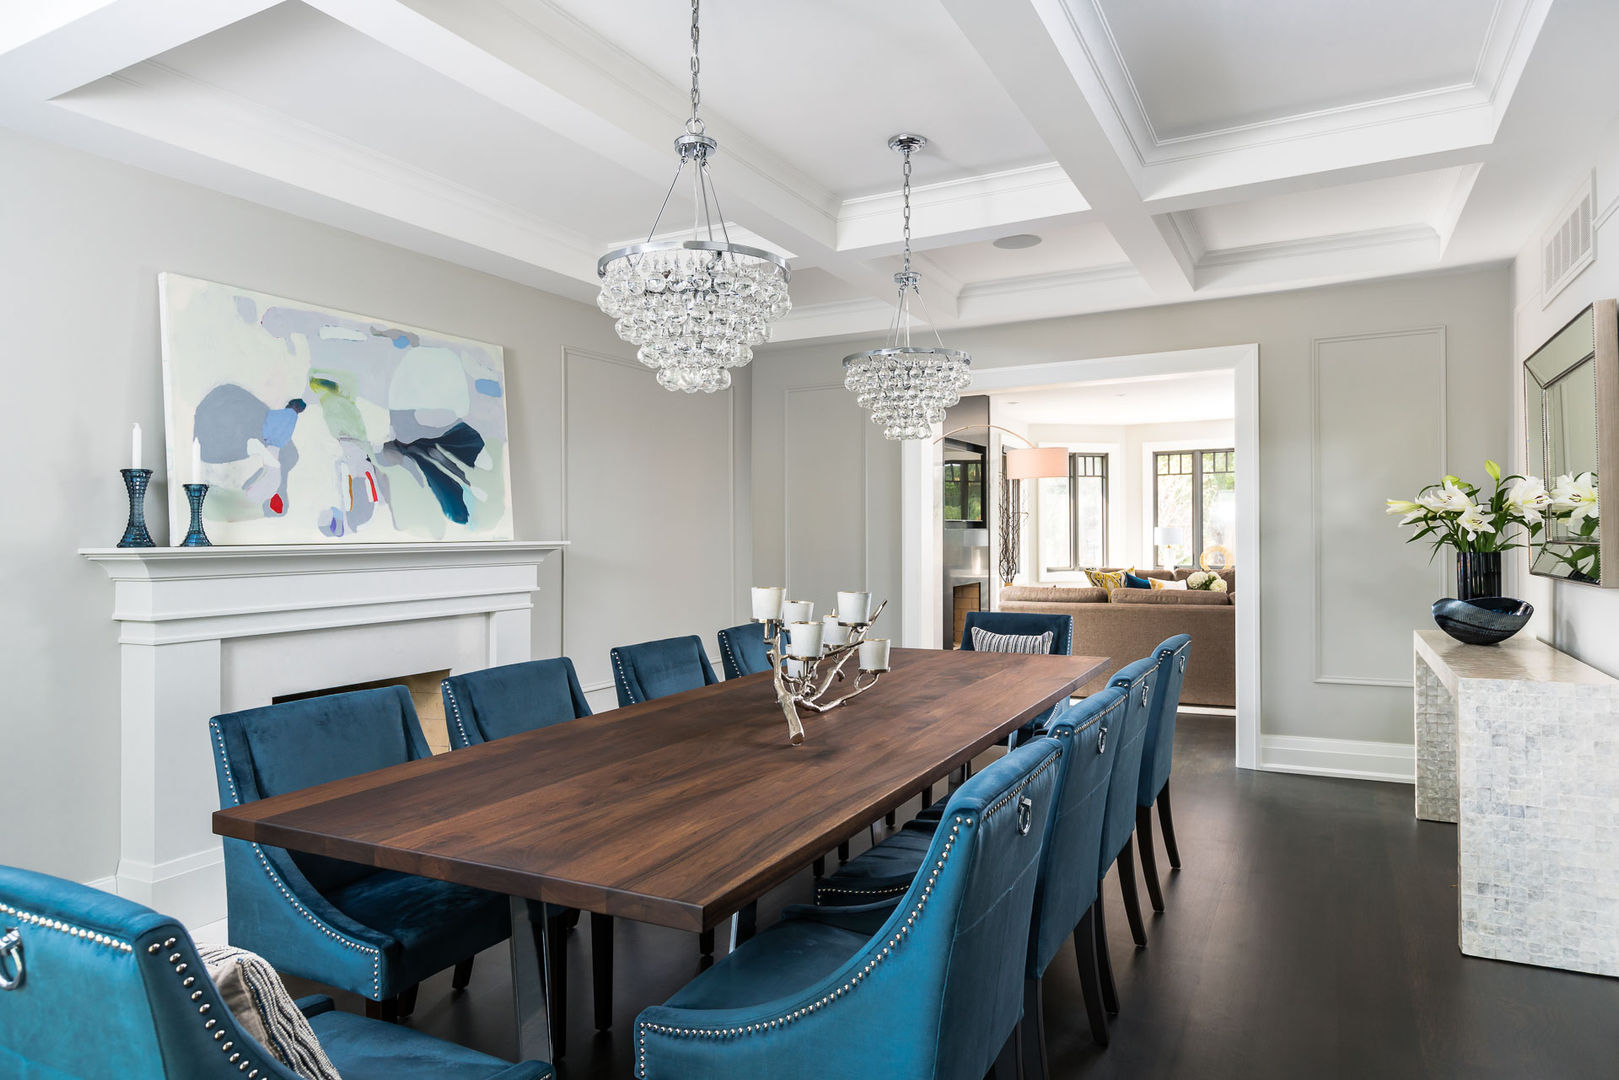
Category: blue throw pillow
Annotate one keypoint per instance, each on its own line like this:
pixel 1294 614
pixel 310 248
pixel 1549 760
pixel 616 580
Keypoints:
pixel 1133 582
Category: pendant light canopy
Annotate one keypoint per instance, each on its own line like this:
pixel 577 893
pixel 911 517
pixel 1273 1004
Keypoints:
pixel 906 387
pixel 695 307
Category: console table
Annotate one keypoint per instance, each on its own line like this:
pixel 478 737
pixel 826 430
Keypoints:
pixel 1518 744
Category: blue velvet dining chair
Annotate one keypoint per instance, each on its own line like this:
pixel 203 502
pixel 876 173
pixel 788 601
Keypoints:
pixel 98 987
pixel 1022 624
pixel 377 933
pixel 512 698
pixel 1067 887
pixel 1157 754
pixel 1138 681
pixel 742 650
pixel 507 700
pixel 925 989
pixel 655 669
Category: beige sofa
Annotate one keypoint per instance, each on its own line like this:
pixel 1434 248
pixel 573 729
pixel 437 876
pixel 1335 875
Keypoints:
pixel 1126 624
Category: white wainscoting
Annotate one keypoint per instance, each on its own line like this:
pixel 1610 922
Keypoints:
pixel 651 558
pixel 1379 432
pixel 1352 759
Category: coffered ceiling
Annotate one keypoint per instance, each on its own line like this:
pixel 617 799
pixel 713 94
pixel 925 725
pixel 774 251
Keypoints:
pixel 1162 150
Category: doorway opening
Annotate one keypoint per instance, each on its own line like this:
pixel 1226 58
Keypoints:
pixel 1162 479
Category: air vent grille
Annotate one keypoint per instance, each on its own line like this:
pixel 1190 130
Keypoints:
pixel 1569 246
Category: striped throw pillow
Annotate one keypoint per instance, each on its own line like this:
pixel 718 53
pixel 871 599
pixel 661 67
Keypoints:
pixel 984 641
pixel 261 1005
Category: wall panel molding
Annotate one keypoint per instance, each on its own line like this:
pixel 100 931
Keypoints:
pixel 1397 387
pixel 824 448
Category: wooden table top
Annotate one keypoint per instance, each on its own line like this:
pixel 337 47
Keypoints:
pixel 676 811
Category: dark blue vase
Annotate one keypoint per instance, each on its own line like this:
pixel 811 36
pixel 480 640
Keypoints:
pixel 1478 573
pixel 135 534
pixel 195 537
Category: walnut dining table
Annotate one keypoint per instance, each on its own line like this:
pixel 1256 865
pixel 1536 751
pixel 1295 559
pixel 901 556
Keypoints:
pixel 678 811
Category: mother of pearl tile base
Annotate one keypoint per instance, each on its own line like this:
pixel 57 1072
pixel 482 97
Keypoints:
pixel 1536 790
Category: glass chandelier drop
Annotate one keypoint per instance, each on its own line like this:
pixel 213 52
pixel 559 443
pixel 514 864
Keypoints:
pixel 906 387
pixel 695 307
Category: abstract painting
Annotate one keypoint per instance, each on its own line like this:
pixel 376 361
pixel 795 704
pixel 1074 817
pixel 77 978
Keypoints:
pixel 320 426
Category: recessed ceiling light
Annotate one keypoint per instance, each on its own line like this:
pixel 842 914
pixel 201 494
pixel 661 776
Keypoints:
pixel 1017 241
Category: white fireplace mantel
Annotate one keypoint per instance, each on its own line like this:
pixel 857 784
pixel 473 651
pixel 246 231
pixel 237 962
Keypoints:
pixel 209 630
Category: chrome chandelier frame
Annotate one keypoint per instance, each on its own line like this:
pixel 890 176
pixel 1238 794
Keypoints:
pixel 899 332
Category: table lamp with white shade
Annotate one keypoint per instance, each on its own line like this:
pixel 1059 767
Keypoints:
pixel 1168 536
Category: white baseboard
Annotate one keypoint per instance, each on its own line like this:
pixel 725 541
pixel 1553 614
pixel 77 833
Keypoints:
pixel 105 884
pixel 190 888
pixel 1353 759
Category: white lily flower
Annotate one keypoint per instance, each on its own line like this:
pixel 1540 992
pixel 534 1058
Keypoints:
pixel 1472 522
pixel 1410 511
pixel 1576 497
pixel 1449 499
pixel 1527 498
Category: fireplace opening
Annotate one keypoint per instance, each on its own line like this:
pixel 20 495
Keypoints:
pixel 424 695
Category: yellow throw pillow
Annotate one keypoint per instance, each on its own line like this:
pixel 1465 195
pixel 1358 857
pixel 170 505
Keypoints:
pixel 1106 579
pixel 1160 583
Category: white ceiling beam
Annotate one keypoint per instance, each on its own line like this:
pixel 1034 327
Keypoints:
pixel 1040 71
pixel 960 211
pixel 48 48
pixel 546 66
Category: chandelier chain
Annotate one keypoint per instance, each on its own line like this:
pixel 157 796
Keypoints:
pixel 906 191
pixel 695 124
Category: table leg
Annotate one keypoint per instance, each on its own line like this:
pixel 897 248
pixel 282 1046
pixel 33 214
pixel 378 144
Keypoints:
pixel 530 992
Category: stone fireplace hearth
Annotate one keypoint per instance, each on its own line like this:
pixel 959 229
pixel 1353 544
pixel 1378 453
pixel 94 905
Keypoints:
pixel 210 630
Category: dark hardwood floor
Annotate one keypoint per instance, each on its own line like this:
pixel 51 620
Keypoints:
pixel 1312 933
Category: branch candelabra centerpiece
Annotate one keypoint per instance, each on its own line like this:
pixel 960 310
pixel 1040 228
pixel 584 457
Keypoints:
pixel 808 657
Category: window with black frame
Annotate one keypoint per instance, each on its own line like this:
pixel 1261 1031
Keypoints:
pixel 963 482
pixel 1073 515
pixel 1194 506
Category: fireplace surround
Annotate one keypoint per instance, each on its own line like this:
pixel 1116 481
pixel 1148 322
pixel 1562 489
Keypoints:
pixel 210 630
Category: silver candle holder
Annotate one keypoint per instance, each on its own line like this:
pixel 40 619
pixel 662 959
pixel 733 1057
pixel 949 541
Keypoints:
pixel 807 669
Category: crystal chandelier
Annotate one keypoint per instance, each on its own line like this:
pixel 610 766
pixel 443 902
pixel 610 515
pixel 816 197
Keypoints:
pixel 695 307
pixel 906 387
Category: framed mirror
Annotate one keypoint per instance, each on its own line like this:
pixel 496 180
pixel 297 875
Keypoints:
pixel 1571 415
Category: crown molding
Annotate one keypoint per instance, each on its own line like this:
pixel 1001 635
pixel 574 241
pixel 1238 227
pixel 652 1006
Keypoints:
pixel 988 202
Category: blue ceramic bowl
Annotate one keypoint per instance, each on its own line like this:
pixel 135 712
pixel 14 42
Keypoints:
pixel 1486 620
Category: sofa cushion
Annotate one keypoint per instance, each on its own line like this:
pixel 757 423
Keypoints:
pixel 1133 580
pixel 1160 583
pixel 1053 594
pixel 1169 596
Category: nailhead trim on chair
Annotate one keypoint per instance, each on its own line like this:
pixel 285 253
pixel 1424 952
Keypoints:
pixel 623 679
pixel 225 1045
pixel 455 708
pixel 94 936
pixel 281 886
pixel 866 969
pixel 725 643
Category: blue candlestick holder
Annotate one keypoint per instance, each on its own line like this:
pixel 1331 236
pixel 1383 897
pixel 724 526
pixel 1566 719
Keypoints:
pixel 135 534
pixel 195 537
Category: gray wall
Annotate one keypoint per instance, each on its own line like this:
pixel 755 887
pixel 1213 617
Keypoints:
pixel 84 240
pixel 1380 327
pixel 1579 619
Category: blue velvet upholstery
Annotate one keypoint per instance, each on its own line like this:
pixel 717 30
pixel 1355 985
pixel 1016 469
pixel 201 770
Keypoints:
pixel 655 669
pixel 113 989
pixel 1137 680
pixel 742 650
pixel 506 700
pixel 374 932
pixel 1158 750
pixel 928 988
pixel 1024 622
pixel 1067 882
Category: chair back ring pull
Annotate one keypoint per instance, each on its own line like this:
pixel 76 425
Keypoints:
pixel 1025 815
pixel 11 958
